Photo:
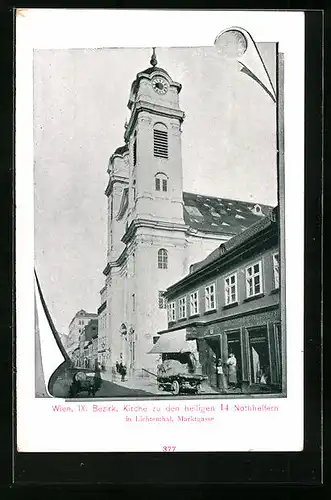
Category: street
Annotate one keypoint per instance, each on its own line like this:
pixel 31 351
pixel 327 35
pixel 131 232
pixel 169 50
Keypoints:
pixel 107 390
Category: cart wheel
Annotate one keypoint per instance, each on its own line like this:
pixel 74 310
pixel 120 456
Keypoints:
pixel 175 387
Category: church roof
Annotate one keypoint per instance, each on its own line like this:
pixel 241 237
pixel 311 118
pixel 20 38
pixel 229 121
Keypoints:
pixel 210 214
pixel 151 69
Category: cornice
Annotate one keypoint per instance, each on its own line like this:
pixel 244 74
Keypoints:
pixel 222 319
pixel 135 224
pixel 152 108
pixel 115 179
pixel 149 76
pixel 115 263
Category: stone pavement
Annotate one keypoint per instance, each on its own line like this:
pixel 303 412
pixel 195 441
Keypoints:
pixel 148 384
pixel 139 383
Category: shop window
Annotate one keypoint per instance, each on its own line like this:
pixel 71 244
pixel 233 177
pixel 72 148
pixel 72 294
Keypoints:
pixel 259 356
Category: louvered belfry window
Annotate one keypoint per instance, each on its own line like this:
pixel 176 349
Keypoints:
pixel 160 141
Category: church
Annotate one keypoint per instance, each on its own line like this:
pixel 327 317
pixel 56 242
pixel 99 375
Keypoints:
pixel 156 231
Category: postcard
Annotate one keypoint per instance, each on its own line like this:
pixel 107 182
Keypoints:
pixel 159 230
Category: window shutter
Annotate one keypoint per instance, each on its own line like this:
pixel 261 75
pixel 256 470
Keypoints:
pixel 160 143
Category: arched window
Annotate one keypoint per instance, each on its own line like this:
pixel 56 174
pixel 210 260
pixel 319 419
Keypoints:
pixel 160 136
pixel 161 182
pixel 162 259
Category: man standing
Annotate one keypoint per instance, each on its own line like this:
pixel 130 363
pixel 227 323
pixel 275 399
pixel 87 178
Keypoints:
pixel 232 370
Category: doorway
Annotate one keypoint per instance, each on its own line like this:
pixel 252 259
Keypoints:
pixel 209 352
pixel 234 347
pixel 259 355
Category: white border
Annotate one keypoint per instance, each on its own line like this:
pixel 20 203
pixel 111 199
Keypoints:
pixel 280 431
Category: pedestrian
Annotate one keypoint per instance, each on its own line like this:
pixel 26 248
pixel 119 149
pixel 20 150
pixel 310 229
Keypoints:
pixel 117 366
pixel 123 371
pixel 97 378
pixel 220 375
pixel 232 370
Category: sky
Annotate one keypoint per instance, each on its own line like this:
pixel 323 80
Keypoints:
pixel 80 107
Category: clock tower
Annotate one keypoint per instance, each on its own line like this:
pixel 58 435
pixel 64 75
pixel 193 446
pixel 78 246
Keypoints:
pixel 154 239
pixel 153 135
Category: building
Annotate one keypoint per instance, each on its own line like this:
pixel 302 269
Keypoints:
pixel 103 347
pixel 88 344
pixel 229 303
pixel 155 230
pixel 64 340
pixel 76 327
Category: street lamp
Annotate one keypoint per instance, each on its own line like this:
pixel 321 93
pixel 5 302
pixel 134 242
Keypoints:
pixel 237 43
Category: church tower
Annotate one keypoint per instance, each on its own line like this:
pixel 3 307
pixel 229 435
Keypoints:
pixel 147 241
pixel 153 135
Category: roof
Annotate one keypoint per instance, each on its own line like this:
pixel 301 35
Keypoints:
pixel 148 71
pixel 221 215
pixel 81 313
pixel 121 150
pixel 151 69
pixel 234 242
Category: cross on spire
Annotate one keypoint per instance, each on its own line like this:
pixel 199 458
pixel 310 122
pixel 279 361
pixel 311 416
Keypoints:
pixel 153 60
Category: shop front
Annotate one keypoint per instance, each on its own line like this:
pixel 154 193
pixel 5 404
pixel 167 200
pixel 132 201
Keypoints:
pixel 253 342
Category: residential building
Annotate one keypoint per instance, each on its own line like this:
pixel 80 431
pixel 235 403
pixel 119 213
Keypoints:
pixel 103 347
pixel 64 340
pixel 230 303
pixel 88 344
pixel 76 327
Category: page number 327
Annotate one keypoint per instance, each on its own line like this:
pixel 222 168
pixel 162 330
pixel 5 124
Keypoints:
pixel 169 448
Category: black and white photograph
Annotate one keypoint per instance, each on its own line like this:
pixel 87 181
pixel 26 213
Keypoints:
pixel 160 164
pixel 159 187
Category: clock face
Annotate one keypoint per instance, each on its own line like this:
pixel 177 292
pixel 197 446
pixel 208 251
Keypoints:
pixel 160 85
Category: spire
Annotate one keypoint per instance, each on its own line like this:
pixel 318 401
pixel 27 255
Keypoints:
pixel 153 60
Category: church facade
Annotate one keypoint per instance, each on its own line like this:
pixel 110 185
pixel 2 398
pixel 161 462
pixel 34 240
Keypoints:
pixel 156 231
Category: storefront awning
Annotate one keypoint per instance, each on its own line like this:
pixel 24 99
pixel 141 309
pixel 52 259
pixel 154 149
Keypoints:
pixel 171 342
